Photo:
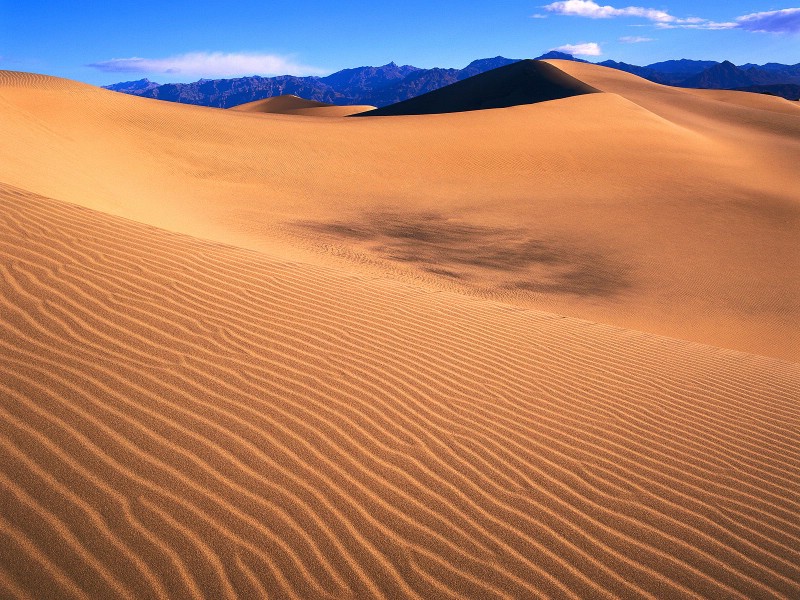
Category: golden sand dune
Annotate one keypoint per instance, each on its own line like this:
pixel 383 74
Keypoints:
pixel 648 207
pixel 183 418
pixel 539 351
pixel 290 104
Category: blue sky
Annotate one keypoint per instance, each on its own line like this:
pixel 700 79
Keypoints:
pixel 105 42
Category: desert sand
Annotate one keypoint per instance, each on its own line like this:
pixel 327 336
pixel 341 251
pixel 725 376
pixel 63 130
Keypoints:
pixel 290 104
pixel 549 350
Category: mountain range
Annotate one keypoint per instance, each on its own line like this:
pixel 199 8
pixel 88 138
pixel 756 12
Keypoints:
pixel 391 83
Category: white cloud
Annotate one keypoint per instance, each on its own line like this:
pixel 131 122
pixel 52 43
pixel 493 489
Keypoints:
pixel 634 39
pixel 774 21
pixel 786 20
pixel 209 64
pixel 538 16
pixel 582 49
pixel 592 10
pixel 699 24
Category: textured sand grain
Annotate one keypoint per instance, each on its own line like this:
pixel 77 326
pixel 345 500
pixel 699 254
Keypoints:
pixel 182 417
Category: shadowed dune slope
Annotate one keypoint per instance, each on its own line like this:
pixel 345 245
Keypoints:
pixel 290 104
pixel 523 82
pixel 651 208
pixel 181 418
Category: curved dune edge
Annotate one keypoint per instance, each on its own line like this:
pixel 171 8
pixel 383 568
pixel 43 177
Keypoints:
pixel 182 418
pixel 289 104
pixel 665 99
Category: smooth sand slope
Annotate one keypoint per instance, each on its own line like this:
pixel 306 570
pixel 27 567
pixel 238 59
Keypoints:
pixel 290 104
pixel 648 207
pixel 182 418
pixel 539 351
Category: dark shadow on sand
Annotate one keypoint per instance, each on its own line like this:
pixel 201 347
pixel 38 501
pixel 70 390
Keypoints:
pixel 511 258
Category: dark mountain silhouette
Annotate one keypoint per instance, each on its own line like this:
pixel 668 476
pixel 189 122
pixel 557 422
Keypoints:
pixel 790 91
pixel 418 82
pixel 523 82
pixel 224 93
pixel 133 87
pixel 775 70
pixel 379 86
pixel 390 84
pixel 675 72
pixel 556 55
pixel 683 66
pixel 477 67
pixel 791 70
pixel 776 73
pixel 368 78
pixel 725 75
pixel 645 72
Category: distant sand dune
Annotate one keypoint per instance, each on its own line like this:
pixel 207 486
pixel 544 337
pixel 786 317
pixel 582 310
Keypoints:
pixel 182 418
pixel 294 105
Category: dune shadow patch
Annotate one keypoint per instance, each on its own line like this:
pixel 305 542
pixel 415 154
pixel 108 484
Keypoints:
pixel 501 258
pixel 593 278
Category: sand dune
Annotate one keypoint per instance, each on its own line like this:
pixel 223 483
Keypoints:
pixel 523 82
pixel 647 207
pixel 290 104
pixel 184 418
pixel 540 351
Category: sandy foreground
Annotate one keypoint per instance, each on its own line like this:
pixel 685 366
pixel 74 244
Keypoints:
pixel 541 351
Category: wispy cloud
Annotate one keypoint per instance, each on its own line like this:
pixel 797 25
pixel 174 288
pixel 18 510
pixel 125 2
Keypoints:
pixel 774 21
pixel 592 10
pixel 786 20
pixel 634 39
pixel 699 24
pixel 209 64
pixel 582 49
